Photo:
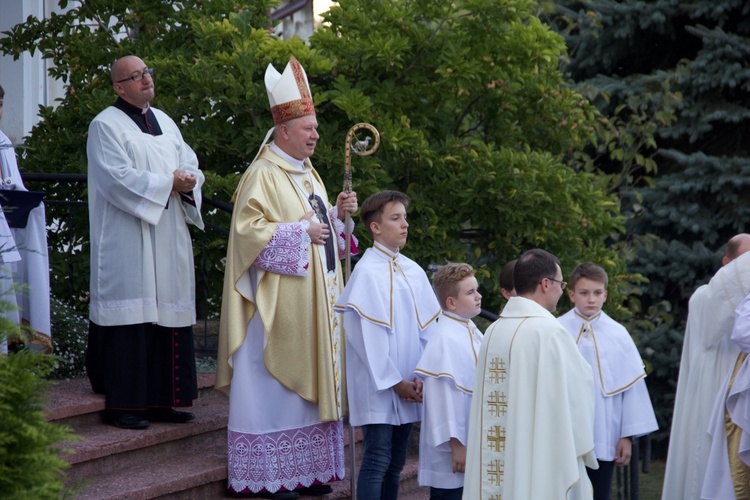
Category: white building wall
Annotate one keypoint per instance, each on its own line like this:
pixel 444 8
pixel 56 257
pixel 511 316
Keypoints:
pixel 25 80
pixel 305 21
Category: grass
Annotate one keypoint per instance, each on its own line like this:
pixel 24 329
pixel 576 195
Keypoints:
pixel 650 483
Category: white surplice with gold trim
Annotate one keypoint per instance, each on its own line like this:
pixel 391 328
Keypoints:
pixel 447 367
pixel 623 407
pixel 389 310
pixel 532 411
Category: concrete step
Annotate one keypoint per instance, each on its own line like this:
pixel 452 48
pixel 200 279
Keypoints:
pixel 168 461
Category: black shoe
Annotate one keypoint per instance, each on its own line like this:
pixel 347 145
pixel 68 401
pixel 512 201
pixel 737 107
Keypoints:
pixel 279 495
pixel 169 415
pixel 315 490
pixel 125 420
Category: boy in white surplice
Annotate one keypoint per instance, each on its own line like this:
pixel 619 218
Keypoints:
pixel 447 367
pixel 389 309
pixel 623 408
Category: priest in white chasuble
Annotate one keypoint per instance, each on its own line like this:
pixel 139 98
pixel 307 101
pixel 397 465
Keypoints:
pixel 708 358
pixel 281 346
pixel 531 430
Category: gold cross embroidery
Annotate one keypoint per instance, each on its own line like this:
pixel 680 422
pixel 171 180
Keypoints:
pixel 498 371
pixel 496 438
pixel 495 472
pixel 497 403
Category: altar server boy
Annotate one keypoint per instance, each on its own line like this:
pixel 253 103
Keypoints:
pixel 622 405
pixel 447 368
pixel 389 311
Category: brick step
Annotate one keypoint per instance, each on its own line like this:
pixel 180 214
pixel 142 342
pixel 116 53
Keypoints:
pixel 67 400
pixel 409 489
pixel 168 461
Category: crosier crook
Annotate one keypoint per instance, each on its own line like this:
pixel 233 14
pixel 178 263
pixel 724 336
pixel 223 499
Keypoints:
pixel 359 148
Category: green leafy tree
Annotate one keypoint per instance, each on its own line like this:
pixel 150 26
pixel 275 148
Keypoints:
pixel 479 128
pixel 663 54
pixel 478 124
pixel 209 59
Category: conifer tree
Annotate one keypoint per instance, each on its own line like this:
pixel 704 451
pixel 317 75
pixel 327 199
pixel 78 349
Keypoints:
pixel 31 462
pixel 695 196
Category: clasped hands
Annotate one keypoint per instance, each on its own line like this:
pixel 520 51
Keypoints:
pixel 319 232
pixel 183 181
pixel 409 390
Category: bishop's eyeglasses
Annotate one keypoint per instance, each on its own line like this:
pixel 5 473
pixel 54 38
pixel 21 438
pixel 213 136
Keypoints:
pixel 137 77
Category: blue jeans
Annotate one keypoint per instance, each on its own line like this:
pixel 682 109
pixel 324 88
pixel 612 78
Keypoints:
pixel 384 456
pixel 444 494
pixel 601 479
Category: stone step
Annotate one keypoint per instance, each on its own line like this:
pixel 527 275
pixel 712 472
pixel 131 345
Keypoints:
pixel 68 400
pixel 104 447
pixel 175 477
pixel 169 461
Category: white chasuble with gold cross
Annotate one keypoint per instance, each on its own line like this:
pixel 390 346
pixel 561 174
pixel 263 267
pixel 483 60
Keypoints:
pixel 532 413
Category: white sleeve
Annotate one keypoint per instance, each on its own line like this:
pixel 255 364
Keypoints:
pixel 140 193
pixel 741 330
pixel 444 408
pixel 372 345
pixel 638 416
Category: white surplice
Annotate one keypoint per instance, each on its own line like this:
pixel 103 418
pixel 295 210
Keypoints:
pixel 141 252
pixel 389 310
pixel 708 355
pixel 623 407
pixel 447 367
pixel 26 255
pixel 532 411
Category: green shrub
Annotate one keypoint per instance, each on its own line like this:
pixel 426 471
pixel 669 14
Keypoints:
pixel 30 463
pixel 69 338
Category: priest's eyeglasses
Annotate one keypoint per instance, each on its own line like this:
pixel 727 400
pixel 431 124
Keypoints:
pixel 563 284
pixel 138 76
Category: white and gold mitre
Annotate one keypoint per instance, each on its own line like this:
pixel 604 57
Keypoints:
pixel 288 92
